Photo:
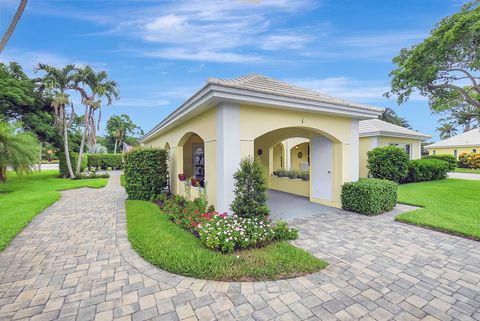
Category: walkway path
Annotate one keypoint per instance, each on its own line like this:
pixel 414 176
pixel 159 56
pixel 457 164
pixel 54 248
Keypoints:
pixel 73 262
pixel 471 176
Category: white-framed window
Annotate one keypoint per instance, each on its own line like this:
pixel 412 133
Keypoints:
pixel 434 152
pixel 406 147
pixel 455 152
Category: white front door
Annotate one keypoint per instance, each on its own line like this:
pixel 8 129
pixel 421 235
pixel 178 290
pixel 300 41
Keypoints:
pixel 321 168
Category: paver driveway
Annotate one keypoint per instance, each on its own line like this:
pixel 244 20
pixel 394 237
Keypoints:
pixel 73 262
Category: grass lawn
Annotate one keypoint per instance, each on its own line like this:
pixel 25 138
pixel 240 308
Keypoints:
pixel 450 205
pixel 21 198
pixel 169 247
pixel 467 170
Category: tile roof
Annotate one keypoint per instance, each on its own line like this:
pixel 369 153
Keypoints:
pixel 470 138
pixel 263 84
pixel 374 127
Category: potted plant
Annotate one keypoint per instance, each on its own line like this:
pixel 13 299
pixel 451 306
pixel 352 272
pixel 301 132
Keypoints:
pixel 181 177
pixel 194 181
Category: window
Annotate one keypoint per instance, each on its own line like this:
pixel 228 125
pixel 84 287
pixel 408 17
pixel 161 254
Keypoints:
pixel 455 152
pixel 474 150
pixel 434 152
pixel 406 147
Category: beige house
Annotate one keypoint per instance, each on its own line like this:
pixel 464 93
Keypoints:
pixel 228 119
pixel 468 142
pixel 377 133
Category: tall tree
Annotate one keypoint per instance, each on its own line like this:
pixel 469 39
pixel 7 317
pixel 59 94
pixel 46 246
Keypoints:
pixel 441 65
pixel 97 86
pixel 446 130
pixel 390 116
pixel 13 24
pixel 18 150
pixel 119 127
pixel 57 82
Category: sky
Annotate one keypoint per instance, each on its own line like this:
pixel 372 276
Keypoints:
pixel 161 52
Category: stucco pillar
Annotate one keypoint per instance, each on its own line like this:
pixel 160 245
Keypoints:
pixel 355 151
pixel 228 153
pixel 177 168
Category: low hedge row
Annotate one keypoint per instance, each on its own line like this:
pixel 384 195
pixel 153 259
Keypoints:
pixel 104 161
pixel 450 159
pixel 292 173
pixel 73 160
pixel 421 170
pixel 145 173
pixel 369 196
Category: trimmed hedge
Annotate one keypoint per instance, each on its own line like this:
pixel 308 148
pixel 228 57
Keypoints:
pixel 421 170
pixel 73 159
pixel 104 161
pixel 145 173
pixel 369 196
pixel 450 159
pixel 292 174
pixel 389 162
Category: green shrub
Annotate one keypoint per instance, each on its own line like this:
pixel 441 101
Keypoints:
pixel 471 160
pixel 284 232
pixel 105 161
pixel 450 159
pixel 421 170
pixel 389 162
pixel 73 160
pixel 463 160
pixel 145 173
pixel 303 175
pixel 250 189
pixel 369 196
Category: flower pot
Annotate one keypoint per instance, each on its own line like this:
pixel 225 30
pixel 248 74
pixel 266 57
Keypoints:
pixel 194 182
pixel 181 177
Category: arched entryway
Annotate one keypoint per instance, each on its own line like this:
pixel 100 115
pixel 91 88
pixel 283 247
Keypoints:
pixel 193 158
pixel 308 150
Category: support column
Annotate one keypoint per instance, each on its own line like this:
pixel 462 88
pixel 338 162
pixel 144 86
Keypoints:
pixel 355 151
pixel 228 153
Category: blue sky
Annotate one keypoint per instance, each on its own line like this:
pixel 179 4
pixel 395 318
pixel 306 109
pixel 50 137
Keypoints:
pixel 161 52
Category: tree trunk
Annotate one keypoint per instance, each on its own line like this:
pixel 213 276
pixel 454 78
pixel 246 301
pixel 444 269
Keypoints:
pixel 82 143
pixel 13 24
pixel 65 146
pixel 3 174
pixel 40 158
pixel 115 147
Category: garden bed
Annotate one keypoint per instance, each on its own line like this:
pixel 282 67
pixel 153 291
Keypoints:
pixel 168 246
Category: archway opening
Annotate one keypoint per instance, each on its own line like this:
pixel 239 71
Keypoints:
pixel 194 158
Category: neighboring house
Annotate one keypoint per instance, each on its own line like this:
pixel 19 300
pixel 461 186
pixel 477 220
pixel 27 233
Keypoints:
pixel 468 142
pixel 247 116
pixel 377 133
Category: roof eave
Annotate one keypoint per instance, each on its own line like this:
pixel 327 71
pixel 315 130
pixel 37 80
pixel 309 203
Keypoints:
pixel 396 135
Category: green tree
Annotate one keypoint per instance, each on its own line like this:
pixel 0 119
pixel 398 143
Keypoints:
pixel 446 130
pixel 57 82
pixel 120 127
pixel 439 67
pixel 18 150
pixel 98 86
pixel 250 189
pixel 390 116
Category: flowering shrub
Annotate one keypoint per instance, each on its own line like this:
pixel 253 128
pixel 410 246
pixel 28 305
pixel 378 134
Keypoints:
pixel 283 232
pixel 229 233
pixel 471 160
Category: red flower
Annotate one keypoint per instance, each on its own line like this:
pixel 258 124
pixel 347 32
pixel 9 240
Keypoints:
pixel 184 210
pixel 196 211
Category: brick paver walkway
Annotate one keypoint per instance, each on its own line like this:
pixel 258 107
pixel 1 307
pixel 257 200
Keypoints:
pixel 73 262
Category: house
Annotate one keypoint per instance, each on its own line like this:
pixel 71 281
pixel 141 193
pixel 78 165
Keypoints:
pixel 377 133
pixel 228 119
pixel 468 142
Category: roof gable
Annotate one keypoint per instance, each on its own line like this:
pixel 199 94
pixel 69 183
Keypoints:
pixel 377 127
pixel 470 138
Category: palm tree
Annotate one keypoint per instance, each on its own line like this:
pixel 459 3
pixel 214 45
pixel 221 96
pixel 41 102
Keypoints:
pixel 57 82
pixel 18 150
pixel 446 130
pixel 390 116
pixel 99 86
pixel 118 127
pixel 13 24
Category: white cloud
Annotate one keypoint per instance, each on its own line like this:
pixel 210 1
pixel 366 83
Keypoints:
pixel 202 55
pixel 141 102
pixel 286 41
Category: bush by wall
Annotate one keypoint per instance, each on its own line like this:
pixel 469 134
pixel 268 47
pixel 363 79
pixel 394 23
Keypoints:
pixel 104 161
pixel 73 160
pixel 471 160
pixel 303 175
pixel 389 162
pixel 421 170
pixel 369 196
pixel 250 189
pixel 450 159
pixel 145 173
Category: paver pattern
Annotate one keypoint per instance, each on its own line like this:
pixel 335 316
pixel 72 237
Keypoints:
pixel 74 262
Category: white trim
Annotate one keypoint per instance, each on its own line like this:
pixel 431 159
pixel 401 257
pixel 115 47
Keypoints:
pixel 355 151
pixel 452 146
pixel 228 153
pixel 211 94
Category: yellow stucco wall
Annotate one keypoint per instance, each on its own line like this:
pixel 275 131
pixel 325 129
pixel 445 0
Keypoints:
pixel 368 143
pixel 203 125
pixel 451 151
pixel 295 161
pixel 293 186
